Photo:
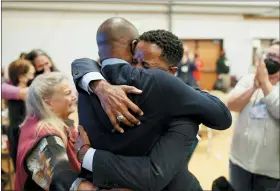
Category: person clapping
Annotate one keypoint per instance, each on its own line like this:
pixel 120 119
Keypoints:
pixel 254 155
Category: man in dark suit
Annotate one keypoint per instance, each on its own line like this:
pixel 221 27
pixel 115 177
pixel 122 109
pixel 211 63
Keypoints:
pixel 158 118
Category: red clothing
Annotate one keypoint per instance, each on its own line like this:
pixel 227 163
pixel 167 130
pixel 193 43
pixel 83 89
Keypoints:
pixel 199 66
pixel 29 137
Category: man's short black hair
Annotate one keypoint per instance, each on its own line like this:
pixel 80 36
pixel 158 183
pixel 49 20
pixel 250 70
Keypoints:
pixel 171 45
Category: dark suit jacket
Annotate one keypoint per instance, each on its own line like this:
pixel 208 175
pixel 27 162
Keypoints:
pixel 152 173
pixel 164 99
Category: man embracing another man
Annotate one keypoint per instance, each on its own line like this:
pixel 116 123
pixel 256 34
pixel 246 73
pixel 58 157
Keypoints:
pixel 144 142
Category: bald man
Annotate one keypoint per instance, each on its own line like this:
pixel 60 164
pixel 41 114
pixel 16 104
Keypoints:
pixel 114 39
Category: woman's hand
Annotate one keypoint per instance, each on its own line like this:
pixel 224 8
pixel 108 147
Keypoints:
pixel 23 93
pixel 116 103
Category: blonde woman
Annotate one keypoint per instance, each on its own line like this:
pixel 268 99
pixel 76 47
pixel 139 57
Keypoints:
pixel 46 158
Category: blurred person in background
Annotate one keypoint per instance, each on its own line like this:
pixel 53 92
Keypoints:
pixel 4 175
pixel 186 68
pixel 21 73
pixel 222 70
pixel 46 158
pixel 2 75
pixel 42 63
pixel 255 150
pixel 182 72
pixel 199 65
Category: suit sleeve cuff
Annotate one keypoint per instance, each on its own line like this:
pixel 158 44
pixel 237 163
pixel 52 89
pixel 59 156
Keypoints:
pixel 76 184
pixel 87 78
pixel 88 159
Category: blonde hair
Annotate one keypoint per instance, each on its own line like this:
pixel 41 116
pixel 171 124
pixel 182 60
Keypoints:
pixel 41 89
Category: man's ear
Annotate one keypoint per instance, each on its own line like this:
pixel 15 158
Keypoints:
pixel 173 70
pixel 133 46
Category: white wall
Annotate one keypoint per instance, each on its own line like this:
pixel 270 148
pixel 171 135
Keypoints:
pixel 236 33
pixel 70 35
pixel 64 36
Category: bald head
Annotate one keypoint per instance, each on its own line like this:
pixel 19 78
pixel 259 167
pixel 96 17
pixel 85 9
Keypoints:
pixel 114 36
pixel 115 29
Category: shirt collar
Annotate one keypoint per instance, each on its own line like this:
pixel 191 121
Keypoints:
pixel 111 61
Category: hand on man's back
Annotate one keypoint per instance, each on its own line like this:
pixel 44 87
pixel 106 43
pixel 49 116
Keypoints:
pixel 116 104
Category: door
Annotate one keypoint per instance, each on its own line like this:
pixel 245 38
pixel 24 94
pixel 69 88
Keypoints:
pixel 209 51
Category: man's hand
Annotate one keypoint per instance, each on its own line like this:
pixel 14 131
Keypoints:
pixel 116 103
pixel 82 143
pixel 85 186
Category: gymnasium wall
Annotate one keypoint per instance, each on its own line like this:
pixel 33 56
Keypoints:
pixel 67 31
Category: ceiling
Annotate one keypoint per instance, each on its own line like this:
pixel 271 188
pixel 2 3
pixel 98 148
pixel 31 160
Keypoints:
pixel 264 9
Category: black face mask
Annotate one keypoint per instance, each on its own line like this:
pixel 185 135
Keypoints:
pixel 42 71
pixel 39 72
pixel 271 66
pixel 29 82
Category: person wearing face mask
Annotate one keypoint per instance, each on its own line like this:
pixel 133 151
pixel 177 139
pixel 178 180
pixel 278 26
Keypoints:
pixel 254 155
pixel 42 63
pixel 21 73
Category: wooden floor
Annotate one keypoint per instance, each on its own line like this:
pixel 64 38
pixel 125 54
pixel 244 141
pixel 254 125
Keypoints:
pixel 4 165
pixel 209 165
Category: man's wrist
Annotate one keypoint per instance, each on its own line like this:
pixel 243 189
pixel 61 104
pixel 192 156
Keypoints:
pixel 97 85
pixel 82 152
pixel 76 184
